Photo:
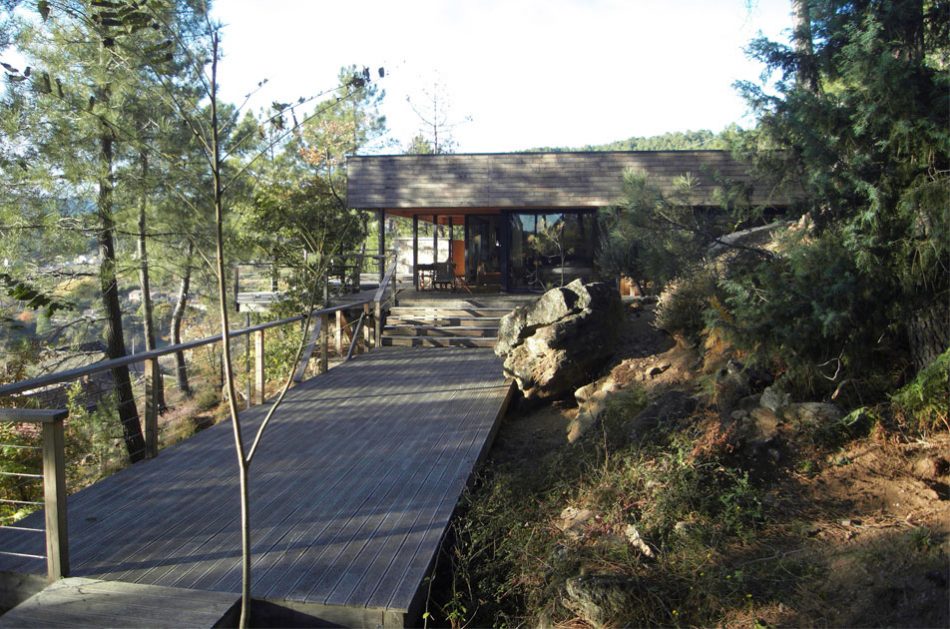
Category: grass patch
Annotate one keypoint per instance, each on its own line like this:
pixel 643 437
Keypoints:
pixel 512 558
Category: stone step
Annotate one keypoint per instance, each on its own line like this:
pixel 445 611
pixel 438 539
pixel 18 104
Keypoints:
pixel 437 341
pixel 440 330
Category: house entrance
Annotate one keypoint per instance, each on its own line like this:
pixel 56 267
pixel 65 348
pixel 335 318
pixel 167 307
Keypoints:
pixel 483 249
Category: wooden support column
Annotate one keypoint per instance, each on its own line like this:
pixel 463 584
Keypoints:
pixel 152 375
pixel 259 381
pixel 381 238
pixel 505 227
pixel 54 497
pixel 452 246
pixel 324 342
pixel 435 239
pixel 415 251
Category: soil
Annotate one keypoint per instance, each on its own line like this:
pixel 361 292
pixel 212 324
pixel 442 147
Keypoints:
pixel 868 522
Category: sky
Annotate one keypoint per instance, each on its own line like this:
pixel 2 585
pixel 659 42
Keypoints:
pixel 514 74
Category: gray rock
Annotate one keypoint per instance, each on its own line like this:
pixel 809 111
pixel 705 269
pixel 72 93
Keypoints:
pixel 591 402
pixel 553 346
pixel 509 330
pixel 732 384
pixel 811 413
pixel 602 600
pixel 574 521
pixel 774 399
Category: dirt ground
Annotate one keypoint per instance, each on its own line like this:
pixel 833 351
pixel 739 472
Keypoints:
pixel 866 524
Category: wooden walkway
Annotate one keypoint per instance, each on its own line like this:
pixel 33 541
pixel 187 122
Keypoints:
pixel 352 491
pixel 79 602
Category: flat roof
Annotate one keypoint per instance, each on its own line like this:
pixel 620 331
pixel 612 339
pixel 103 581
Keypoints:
pixel 543 180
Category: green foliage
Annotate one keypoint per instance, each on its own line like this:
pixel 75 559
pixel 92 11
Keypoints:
pixel 869 148
pixel 93 447
pixel 925 401
pixel 31 297
pixel 682 305
pixel 19 454
pixel 702 139
pixel 652 236
pixel 811 306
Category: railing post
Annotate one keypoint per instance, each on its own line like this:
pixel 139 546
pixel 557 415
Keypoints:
pixel 54 483
pixel 54 496
pixel 152 374
pixel 378 324
pixel 259 367
pixel 324 342
pixel 367 335
pixel 339 333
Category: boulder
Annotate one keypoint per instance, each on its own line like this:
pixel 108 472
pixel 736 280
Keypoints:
pixel 554 345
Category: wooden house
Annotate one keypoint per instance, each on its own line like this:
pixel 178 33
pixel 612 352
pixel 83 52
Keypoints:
pixel 518 221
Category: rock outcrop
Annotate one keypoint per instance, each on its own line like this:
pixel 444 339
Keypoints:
pixel 555 345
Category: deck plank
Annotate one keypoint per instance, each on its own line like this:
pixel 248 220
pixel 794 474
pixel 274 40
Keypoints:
pixel 352 489
pixel 92 602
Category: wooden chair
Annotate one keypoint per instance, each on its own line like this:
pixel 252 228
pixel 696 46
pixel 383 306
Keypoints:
pixel 444 275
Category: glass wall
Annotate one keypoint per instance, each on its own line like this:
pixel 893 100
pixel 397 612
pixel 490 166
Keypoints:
pixel 483 250
pixel 550 248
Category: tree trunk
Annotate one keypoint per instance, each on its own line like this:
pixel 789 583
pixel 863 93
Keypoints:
pixel 242 460
pixel 181 369
pixel 802 37
pixel 115 340
pixel 148 323
pixel 928 332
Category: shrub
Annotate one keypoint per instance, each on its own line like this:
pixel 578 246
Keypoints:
pixel 813 311
pixel 924 403
pixel 683 303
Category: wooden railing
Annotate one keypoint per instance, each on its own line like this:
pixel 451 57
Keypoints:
pixel 54 485
pixel 52 421
pixel 264 283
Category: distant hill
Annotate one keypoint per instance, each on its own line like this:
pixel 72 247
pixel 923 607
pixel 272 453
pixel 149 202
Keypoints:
pixel 673 141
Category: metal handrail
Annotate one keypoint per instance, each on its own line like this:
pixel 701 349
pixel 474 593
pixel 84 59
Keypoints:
pixel 104 365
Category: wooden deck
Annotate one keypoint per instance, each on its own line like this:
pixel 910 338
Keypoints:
pixel 352 491
pixel 79 602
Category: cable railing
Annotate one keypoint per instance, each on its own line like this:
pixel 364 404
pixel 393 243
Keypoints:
pixel 259 284
pixel 42 451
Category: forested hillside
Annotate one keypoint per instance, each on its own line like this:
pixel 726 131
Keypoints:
pixel 703 139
